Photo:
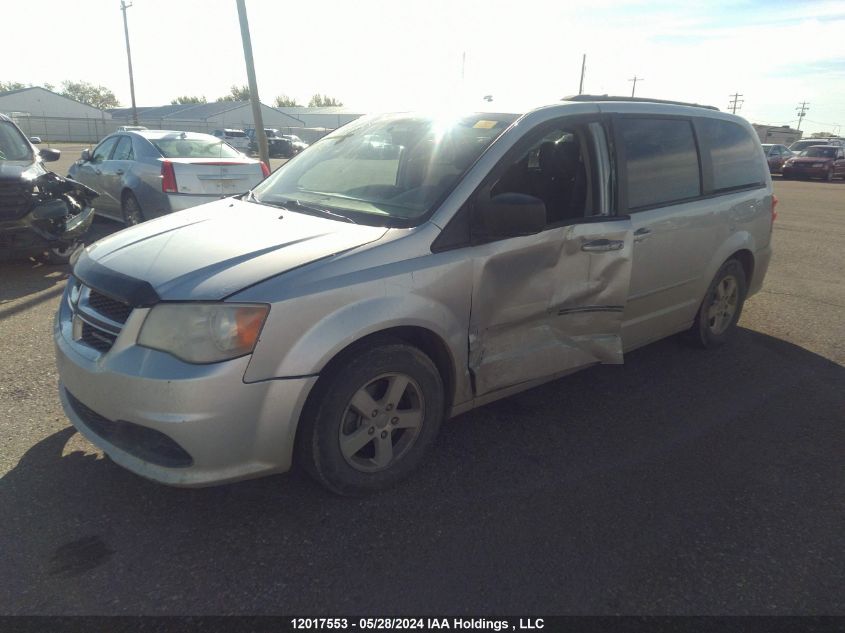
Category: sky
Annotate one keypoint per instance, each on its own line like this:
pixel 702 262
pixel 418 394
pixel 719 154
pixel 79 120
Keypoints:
pixel 378 55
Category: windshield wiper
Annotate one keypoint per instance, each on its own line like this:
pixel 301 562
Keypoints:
pixel 307 208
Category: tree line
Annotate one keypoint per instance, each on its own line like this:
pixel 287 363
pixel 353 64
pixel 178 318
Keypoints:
pixel 241 93
pixel 103 98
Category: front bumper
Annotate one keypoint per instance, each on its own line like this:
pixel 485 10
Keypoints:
pixel 32 234
pixel 804 172
pixel 230 429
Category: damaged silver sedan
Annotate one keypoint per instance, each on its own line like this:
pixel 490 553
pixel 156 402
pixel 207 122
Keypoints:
pixel 41 213
pixel 340 311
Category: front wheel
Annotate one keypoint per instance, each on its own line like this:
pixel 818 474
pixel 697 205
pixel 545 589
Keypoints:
pixel 372 419
pixel 722 306
pixel 60 255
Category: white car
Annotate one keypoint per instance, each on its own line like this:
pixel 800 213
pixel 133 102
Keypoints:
pixel 236 138
pixel 143 175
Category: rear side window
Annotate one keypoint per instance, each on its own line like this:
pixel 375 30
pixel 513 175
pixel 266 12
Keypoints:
pixel 734 154
pixel 661 161
pixel 123 151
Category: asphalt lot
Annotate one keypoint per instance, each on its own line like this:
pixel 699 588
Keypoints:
pixel 683 482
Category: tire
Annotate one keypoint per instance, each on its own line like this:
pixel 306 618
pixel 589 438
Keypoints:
pixel 60 255
pixel 718 314
pixel 132 212
pixel 353 451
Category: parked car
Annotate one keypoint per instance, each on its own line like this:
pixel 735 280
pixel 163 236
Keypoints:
pixel 776 156
pixel 277 145
pixel 296 143
pixel 41 213
pixel 236 138
pixel 341 310
pixel 799 146
pixel 143 175
pixel 820 161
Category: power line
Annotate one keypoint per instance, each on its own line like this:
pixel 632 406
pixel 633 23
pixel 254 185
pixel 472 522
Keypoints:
pixel 736 102
pixel 802 112
pixel 635 79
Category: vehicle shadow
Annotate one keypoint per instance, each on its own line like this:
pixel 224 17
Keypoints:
pixel 26 277
pixel 684 482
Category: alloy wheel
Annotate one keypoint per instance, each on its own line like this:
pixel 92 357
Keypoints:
pixel 381 422
pixel 723 305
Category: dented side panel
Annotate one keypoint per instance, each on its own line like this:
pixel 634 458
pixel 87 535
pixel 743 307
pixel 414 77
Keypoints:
pixel 542 305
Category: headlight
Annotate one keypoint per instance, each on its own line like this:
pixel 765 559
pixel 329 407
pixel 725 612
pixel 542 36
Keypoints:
pixel 203 332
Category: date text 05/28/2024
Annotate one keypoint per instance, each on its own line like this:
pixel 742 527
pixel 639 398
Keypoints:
pixel 418 624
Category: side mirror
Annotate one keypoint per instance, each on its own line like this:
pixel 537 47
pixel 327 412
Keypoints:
pixel 48 154
pixel 509 215
pixel 86 155
pixel 35 140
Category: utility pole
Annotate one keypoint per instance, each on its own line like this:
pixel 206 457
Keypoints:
pixel 263 150
pixel 123 7
pixel 802 112
pixel 583 68
pixel 736 102
pixel 635 79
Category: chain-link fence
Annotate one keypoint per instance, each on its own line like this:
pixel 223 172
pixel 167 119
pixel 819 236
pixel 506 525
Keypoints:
pixel 66 129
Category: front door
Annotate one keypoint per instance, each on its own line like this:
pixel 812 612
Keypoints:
pixel 90 173
pixel 549 303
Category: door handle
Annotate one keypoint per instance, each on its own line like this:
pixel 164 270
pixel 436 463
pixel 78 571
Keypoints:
pixel 602 245
pixel 97 171
pixel 119 172
pixel 642 234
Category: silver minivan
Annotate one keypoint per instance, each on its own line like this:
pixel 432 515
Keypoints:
pixel 340 311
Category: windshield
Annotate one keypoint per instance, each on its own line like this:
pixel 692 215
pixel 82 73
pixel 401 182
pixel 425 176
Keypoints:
pixel 194 148
pixel 13 146
pixel 396 180
pixel 820 152
pixel 802 145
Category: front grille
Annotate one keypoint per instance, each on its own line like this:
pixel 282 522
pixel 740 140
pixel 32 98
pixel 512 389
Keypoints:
pixel 142 442
pixel 101 318
pixel 108 307
pixel 97 338
pixel 15 199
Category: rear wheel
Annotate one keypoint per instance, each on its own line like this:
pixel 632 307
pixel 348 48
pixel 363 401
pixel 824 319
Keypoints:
pixel 372 419
pixel 722 306
pixel 132 213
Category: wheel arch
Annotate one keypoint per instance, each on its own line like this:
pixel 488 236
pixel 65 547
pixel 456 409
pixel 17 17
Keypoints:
pixel 424 339
pixel 746 258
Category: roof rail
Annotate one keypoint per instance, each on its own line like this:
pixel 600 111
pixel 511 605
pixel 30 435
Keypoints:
pixel 634 100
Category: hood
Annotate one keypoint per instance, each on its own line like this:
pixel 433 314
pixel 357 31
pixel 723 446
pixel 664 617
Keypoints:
pixel 810 159
pixel 214 250
pixel 22 170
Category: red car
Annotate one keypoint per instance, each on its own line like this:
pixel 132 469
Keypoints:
pixel 819 161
